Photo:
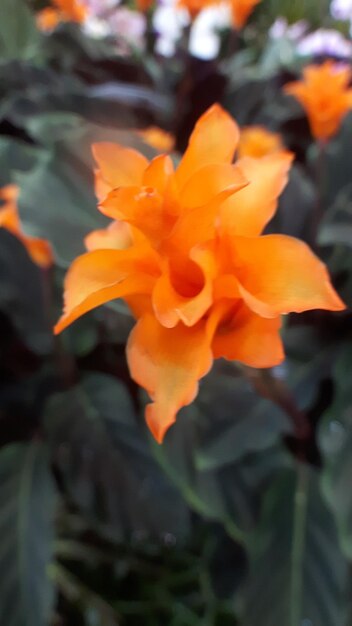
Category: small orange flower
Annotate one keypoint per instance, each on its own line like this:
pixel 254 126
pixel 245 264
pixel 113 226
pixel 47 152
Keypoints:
pixel 198 276
pixel 257 142
pixel 144 5
pixel 38 249
pixel 241 10
pixel 64 11
pixel 325 96
pixel 195 6
pixel 48 19
pixel 158 138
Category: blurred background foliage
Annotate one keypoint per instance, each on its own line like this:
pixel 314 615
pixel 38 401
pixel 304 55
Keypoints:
pixel 242 517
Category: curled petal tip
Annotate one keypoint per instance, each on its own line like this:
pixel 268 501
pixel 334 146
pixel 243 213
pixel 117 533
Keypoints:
pixel 156 425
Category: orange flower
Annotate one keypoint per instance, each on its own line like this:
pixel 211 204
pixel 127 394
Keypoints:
pixel 195 6
pixel 48 19
pixel 158 138
pixel 64 11
pixel 241 10
pixel 198 276
pixel 38 249
pixel 257 141
pixel 324 95
pixel 144 5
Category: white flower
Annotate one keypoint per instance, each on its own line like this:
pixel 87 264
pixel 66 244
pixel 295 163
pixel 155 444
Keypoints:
pixel 281 28
pixel 325 42
pixel 169 21
pixel 341 9
pixel 205 37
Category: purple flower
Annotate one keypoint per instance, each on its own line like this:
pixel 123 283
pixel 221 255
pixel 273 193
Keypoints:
pixel 324 42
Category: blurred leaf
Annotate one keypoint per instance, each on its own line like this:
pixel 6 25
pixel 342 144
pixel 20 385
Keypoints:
pixel 295 10
pixel 50 127
pixel 338 171
pixel 16 155
pixel 19 36
pixel 222 450
pixel 27 497
pixel 21 294
pixel 336 227
pixel 335 438
pixel 295 206
pixel 297 574
pixel 106 463
pixel 309 357
pixel 233 421
pixel 57 203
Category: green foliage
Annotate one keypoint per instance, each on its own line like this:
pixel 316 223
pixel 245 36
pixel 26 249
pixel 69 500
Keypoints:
pixel 335 442
pixel 243 516
pixel 21 294
pixel 19 37
pixel 297 573
pixel 27 495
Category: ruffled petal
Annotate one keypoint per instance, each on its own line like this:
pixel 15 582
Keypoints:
pixel 250 339
pixel 143 208
pixel 214 140
pixel 211 181
pixel 248 211
pixel 171 306
pixel 118 166
pixel 168 363
pixel 103 275
pixel 160 175
pixel 280 274
pixel 200 224
pixel 116 236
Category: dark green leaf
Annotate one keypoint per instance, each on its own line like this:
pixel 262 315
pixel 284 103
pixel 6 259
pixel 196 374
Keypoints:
pixel 297 574
pixel 106 463
pixel 26 521
pixel 233 421
pixel 335 440
pixel 336 227
pixel 223 449
pixel 57 203
pixel 16 155
pixel 19 36
pixel 21 294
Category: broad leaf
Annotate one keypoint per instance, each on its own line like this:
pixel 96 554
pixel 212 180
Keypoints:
pixel 105 462
pixel 336 227
pixel 297 574
pixel 27 496
pixel 223 449
pixel 335 438
pixel 57 203
pixel 22 295
pixel 19 36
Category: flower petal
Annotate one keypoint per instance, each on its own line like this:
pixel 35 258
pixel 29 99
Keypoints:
pixel 102 275
pixel 116 236
pixel 214 140
pixel 167 362
pixel 281 274
pixel 248 211
pixel 159 174
pixel 39 251
pixel 142 207
pixel 250 339
pixel 170 306
pixel 118 166
pixel 211 181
